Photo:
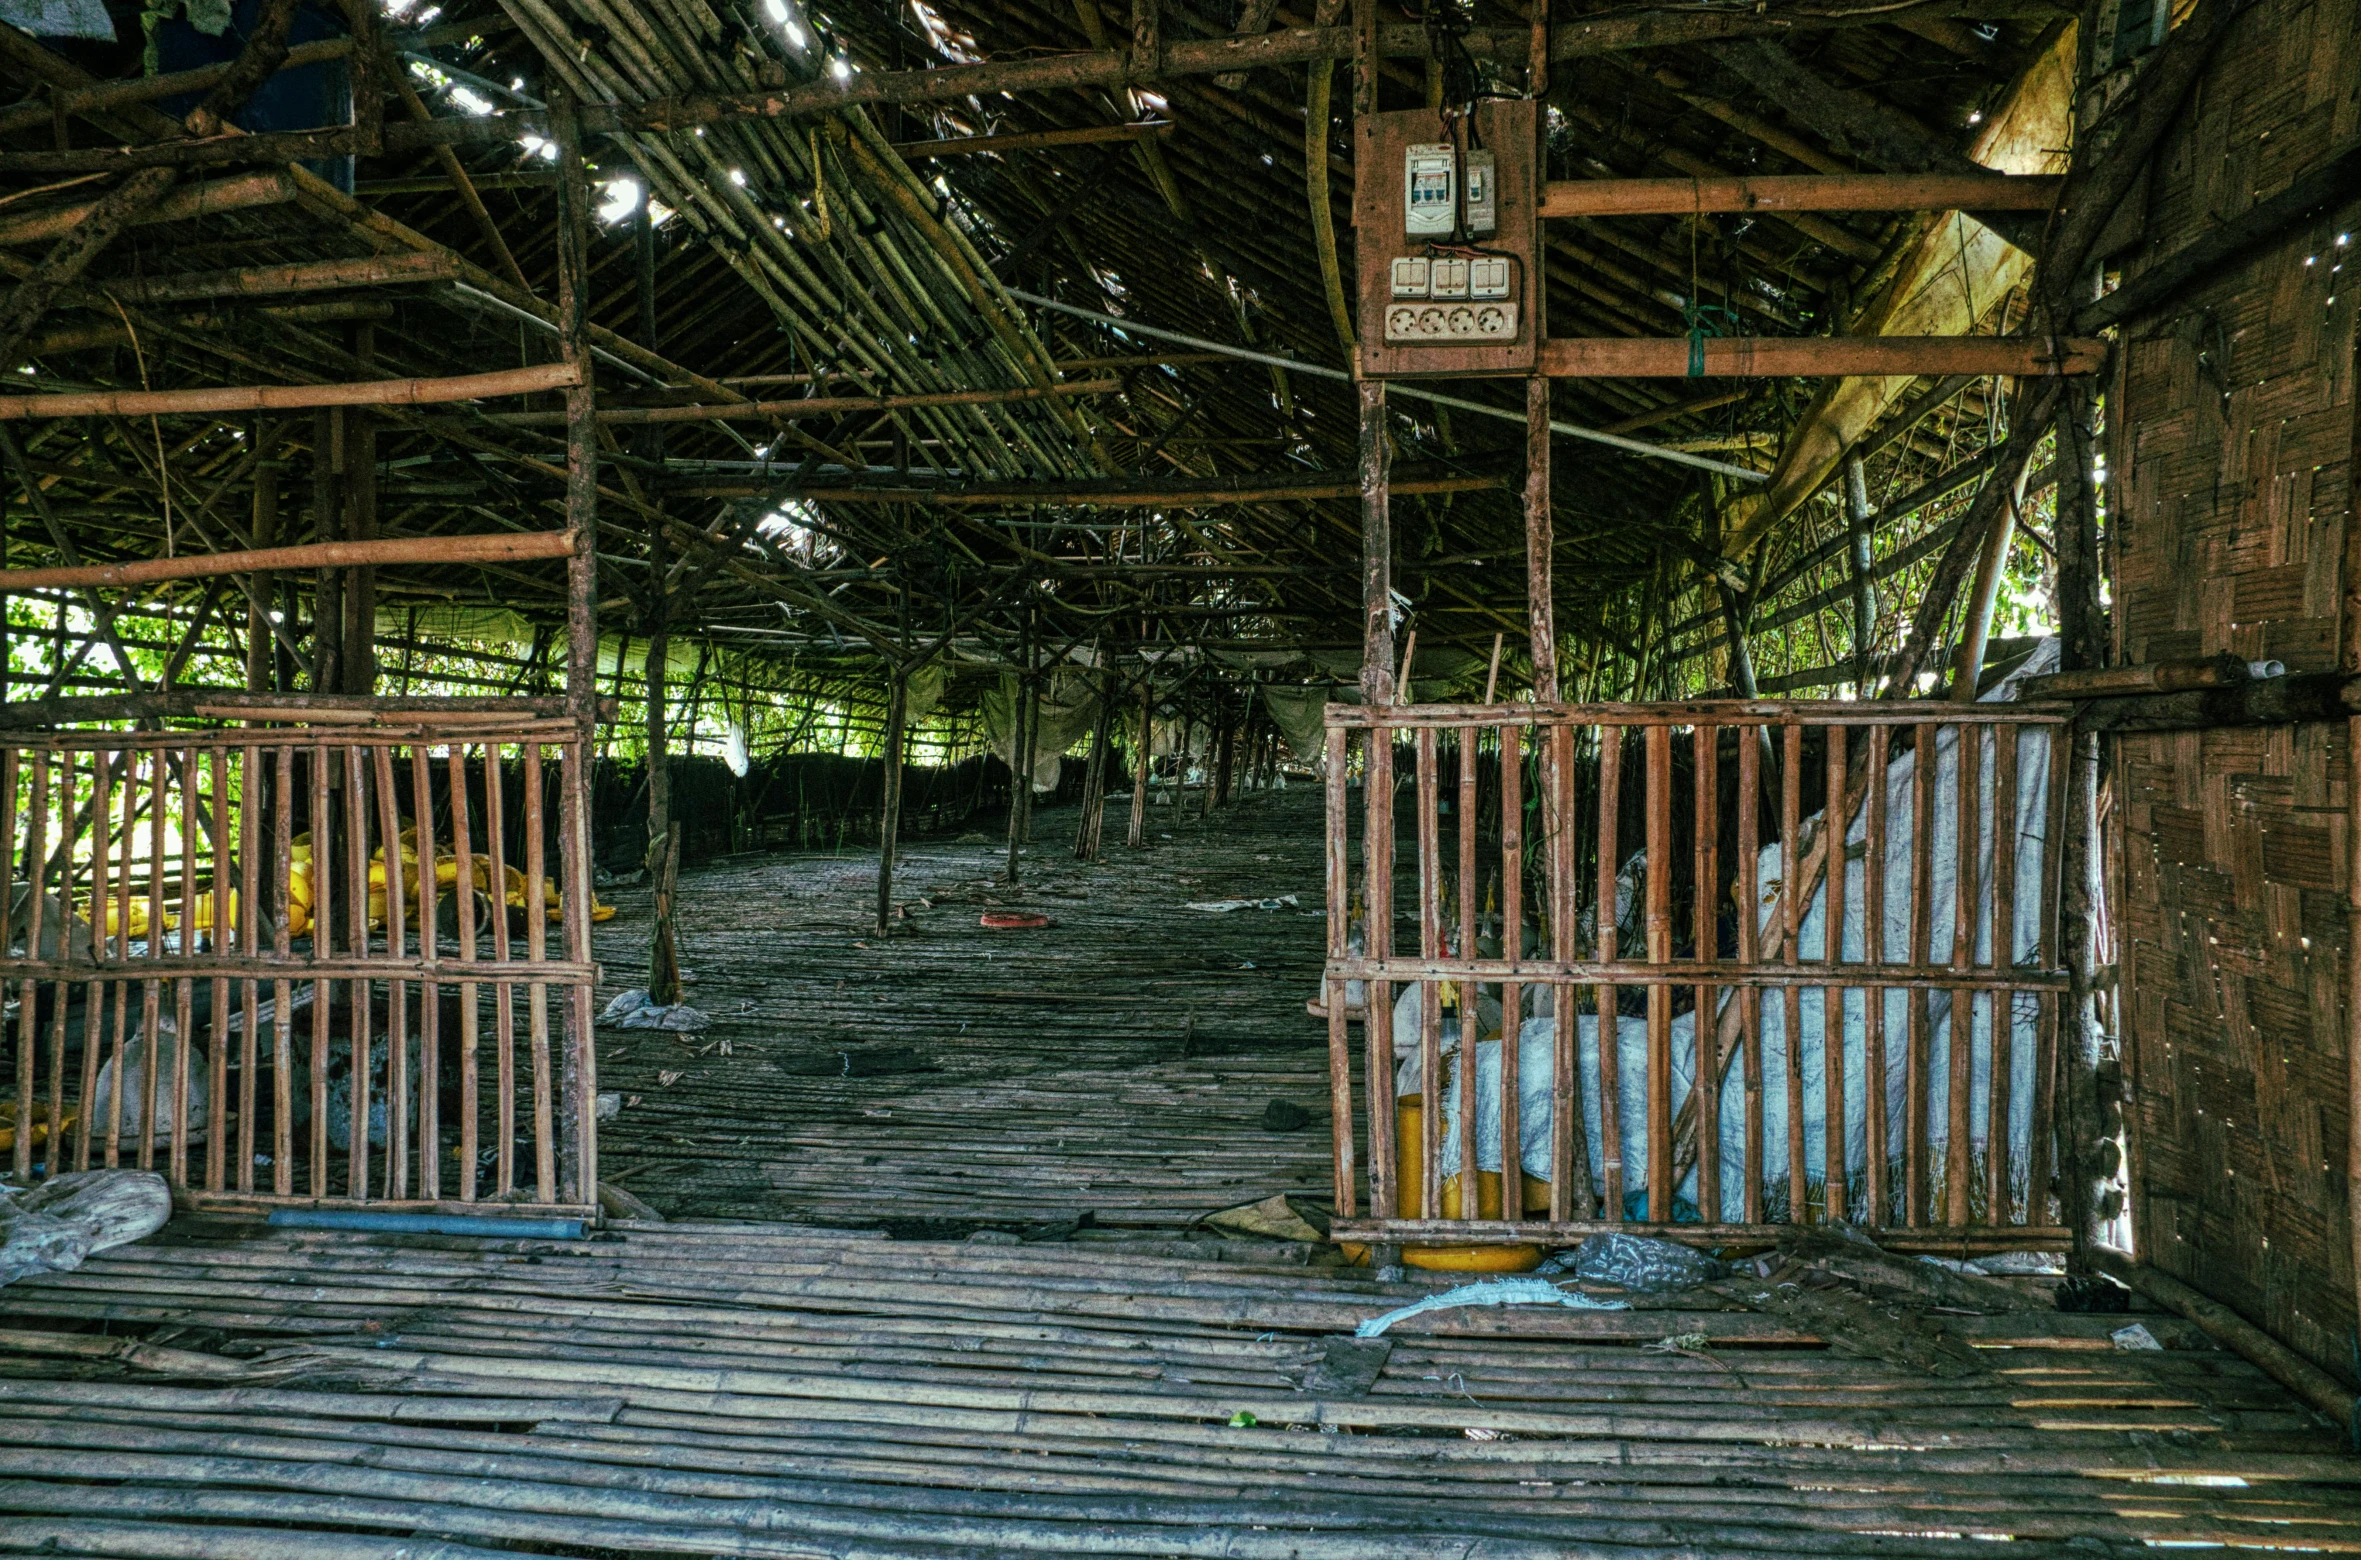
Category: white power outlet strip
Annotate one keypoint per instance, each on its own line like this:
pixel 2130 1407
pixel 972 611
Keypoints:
pixel 1450 324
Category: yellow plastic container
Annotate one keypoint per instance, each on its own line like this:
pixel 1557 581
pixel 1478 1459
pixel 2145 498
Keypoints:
pixel 1410 1197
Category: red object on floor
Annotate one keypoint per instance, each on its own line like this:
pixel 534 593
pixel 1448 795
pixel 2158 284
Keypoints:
pixel 1013 921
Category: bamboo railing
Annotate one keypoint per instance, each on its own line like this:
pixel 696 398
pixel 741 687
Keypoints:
pixel 318 962
pixel 1717 868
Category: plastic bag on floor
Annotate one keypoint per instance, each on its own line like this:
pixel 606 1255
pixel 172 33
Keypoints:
pixel 56 1226
pixel 632 1010
pixel 1637 1262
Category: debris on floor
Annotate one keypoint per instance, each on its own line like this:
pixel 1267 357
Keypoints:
pixel 57 1226
pixel 864 1061
pixel 633 1010
pixel 1225 906
pixel 1499 1291
pixel 1013 921
pixel 620 1204
pixel 1348 1367
pixel 1277 1217
pixel 1869 1302
pixel 1843 1252
pixel 1638 1262
pixel 1285 1116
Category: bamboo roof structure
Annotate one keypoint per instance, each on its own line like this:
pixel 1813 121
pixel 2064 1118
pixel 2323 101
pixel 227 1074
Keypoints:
pixel 929 322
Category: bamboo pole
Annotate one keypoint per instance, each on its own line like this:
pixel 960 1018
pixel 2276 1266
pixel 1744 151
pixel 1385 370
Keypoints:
pixel 505 547
pixel 1859 520
pixel 1316 132
pixel 455 173
pixel 262 398
pixel 1967 663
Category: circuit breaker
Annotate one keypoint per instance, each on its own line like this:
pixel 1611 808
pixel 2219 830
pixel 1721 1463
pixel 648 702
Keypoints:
pixel 1483 193
pixel 1430 191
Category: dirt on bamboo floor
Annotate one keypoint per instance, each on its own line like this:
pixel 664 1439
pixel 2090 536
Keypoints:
pixel 1115 1067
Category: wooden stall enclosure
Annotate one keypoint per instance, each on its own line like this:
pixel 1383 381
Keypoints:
pixel 1618 926
pixel 302 958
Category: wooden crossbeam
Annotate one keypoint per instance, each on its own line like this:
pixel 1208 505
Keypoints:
pixel 1800 192
pixel 1829 357
pixel 1160 493
pixel 274 398
pixel 303 276
pixel 242 192
pixel 813 406
pixel 505 547
pixel 1031 140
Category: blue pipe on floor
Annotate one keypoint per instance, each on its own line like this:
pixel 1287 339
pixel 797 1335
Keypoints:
pixel 424 1223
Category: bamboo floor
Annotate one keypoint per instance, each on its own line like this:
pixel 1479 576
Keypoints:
pixel 704 1389
pixel 1116 1065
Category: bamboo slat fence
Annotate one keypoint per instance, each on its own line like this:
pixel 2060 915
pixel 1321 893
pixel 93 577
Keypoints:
pixel 1520 908
pixel 301 959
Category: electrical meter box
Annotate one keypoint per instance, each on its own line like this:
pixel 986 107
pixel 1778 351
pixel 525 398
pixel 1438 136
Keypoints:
pixel 1449 252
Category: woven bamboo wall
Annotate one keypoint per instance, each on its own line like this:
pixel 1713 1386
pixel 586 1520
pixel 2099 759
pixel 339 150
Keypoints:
pixel 2231 454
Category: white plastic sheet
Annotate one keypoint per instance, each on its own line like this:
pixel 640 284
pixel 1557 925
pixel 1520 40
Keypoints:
pixel 1536 1035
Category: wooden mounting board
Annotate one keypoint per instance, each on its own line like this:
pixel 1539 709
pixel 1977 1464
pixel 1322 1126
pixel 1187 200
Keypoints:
pixel 1509 130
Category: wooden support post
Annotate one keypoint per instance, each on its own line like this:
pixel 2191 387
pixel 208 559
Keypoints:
pixel 889 817
pixel 265 533
pixel 663 849
pixel 1225 753
pixel 1368 49
pixel 1023 714
pixel 1858 521
pixel 578 1077
pixel 1147 40
pixel 1377 547
pixel 2081 1116
pixel 373 70
pixel 1140 762
pixel 359 444
pixel 327 671
pixel 1028 756
pixel 1540 543
pixel 1087 834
